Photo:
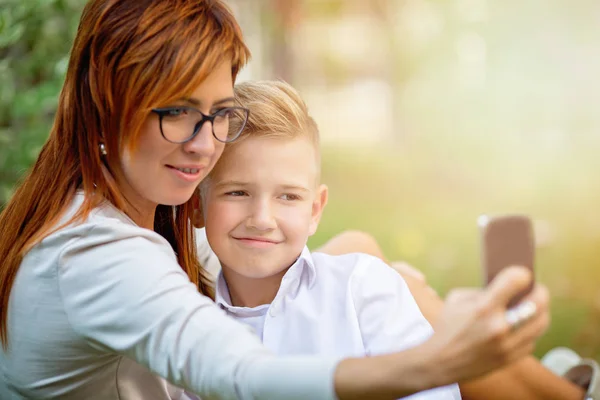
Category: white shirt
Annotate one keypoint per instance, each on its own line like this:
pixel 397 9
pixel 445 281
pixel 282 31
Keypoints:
pixel 339 306
pixel 102 310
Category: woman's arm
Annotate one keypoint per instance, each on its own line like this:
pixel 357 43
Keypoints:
pixel 472 338
pixel 524 379
pixel 124 293
pixel 388 315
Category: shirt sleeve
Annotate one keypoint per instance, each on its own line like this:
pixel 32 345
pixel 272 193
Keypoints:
pixel 389 317
pixel 124 292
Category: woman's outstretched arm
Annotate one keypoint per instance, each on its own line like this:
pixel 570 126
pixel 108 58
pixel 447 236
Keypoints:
pixel 472 338
pixel 525 379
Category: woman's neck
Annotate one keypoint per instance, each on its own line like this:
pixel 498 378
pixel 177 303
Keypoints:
pixel 139 209
pixel 143 219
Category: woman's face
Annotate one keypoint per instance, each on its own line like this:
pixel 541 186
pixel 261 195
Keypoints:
pixel 160 172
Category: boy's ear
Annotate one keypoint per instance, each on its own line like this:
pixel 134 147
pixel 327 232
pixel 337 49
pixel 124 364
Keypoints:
pixel 197 215
pixel 317 208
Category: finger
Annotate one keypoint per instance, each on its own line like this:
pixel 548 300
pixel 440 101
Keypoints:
pixel 507 284
pixel 536 326
pixel 407 270
pixel 463 295
pixel 540 296
pixel 525 336
pixel 536 303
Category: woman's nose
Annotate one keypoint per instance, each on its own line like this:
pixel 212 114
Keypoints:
pixel 203 143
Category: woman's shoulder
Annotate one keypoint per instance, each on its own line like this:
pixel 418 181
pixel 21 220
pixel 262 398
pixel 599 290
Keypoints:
pixel 105 224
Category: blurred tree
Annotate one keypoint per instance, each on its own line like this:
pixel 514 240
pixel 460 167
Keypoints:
pixel 286 15
pixel 35 38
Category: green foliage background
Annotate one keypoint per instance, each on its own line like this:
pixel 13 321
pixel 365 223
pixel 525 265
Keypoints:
pixel 35 38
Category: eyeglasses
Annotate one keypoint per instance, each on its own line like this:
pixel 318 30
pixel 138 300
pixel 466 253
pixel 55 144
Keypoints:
pixel 181 124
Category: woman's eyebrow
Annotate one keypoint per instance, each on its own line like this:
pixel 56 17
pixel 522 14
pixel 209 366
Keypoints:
pixel 225 100
pixel 197 103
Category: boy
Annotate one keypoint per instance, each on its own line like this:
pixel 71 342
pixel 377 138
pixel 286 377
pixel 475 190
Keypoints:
pixel 260 203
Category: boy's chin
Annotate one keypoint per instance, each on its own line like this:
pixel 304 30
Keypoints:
pixel 254 271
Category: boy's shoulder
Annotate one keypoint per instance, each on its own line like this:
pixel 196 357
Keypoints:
pixel 352 266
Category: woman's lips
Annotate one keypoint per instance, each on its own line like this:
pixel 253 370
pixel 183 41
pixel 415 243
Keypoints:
pixel 187 173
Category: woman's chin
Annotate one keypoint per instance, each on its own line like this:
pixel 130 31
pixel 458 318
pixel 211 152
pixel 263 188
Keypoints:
pixel 177 199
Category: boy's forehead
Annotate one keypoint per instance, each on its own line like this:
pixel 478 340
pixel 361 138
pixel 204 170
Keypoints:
pixel 269 156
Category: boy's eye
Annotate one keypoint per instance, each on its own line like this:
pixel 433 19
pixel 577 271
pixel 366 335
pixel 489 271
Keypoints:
pixel 290 197
pixel 236 193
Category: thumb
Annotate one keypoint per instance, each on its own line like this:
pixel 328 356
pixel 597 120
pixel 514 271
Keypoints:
pixel 507 284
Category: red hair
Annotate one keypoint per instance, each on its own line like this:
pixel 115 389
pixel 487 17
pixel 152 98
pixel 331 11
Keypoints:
pixel 128 57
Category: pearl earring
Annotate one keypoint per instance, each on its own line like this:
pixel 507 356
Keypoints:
pixel 103 149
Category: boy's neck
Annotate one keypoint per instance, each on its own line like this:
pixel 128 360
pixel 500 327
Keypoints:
pixel 252 292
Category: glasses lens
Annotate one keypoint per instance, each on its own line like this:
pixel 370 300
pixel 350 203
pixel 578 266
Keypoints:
pixel 229 122
pixel 178 124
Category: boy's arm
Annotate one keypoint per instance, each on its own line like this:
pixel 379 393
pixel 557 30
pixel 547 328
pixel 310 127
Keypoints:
pixel 388 316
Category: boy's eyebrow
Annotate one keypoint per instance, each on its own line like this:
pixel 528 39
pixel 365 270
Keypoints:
pixel 295 187
pixel 197 103
pixel 231 183
pixel 245 184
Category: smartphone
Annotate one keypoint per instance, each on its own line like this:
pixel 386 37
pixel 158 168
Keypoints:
pixel 506 240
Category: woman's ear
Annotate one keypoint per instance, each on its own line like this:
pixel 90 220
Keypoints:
pixel 197 215
pixel 317 207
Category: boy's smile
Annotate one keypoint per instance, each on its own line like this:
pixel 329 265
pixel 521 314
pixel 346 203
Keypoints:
pixel 261 203
pixel 257 242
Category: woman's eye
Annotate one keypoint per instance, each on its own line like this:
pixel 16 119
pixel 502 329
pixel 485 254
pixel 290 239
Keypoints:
pixel 176 112
pixel 223 114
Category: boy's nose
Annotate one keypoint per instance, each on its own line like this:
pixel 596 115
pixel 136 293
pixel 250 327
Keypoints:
pixel 262 218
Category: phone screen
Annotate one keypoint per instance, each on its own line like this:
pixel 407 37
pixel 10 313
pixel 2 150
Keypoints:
pixel 506 240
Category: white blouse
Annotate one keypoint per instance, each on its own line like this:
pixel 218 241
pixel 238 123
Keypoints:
pixel 102 310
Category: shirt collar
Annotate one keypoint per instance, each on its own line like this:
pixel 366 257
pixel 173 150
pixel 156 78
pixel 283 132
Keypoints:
pixel 303 269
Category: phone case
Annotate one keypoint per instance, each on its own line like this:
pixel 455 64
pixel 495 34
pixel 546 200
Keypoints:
pixel 507 240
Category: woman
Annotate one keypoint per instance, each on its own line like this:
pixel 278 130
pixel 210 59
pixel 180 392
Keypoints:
pixel 99 277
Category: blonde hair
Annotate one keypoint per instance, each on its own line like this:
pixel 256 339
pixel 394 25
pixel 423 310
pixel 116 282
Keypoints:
pixel 276 110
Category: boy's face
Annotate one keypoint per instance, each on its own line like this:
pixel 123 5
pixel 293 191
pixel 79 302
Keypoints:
pixel 261 203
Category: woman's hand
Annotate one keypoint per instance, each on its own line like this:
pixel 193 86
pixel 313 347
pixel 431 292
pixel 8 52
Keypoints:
pixel 472 334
